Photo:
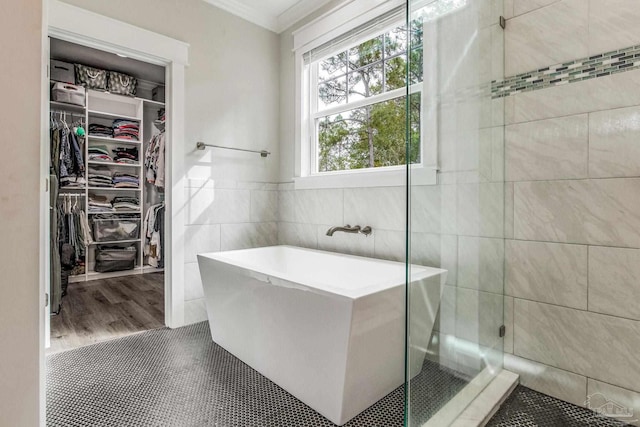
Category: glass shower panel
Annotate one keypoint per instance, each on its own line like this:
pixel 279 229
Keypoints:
pixel 456 52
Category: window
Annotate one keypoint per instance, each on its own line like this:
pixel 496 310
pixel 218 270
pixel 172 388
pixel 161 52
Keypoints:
pixel 357 112
pixel 355 68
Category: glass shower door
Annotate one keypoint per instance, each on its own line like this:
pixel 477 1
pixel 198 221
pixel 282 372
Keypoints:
pixel 454 125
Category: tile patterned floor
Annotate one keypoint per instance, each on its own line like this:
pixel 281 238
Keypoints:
pixel 181 378
pixel 528 408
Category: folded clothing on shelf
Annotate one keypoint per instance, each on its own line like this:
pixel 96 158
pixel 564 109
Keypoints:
pixel 73 182
pixel 99 203
pixel 100 176
pixel 99 153
pixel 126 155
pixel 126 129
pixel 125 204
pixel 96 129
pixel 125 180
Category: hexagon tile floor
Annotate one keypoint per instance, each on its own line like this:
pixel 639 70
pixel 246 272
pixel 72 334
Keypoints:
pixel 181 378
pixel 528 408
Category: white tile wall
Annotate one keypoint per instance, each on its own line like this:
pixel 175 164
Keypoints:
pixel 548 143
pixel 286 206
pixel 613 24
pixel 449 257
pixel 613 143
pixel 547 272
pixel 480 209
pixel 481 263
pixel 319 206
pixel 521 7
pixel 508 323
pixel 294 234
pixel 381 208
pixel 597 212
pixel 548 149
pixel 249 235
pixel 192 283
pixel 475 317
pixel 549 35
pixel 199 239
pixel 590 344
pixel 614 281
pixel 508 210
pixel 264 206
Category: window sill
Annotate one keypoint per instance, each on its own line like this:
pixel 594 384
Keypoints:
pixel 367 178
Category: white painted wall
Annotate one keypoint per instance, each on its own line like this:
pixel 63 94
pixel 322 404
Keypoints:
pixel 232 98
pixel 20 83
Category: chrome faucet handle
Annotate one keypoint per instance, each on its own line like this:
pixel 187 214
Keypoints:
pixel 366 230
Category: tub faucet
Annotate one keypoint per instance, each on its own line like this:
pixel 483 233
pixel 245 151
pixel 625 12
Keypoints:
pixel 349 229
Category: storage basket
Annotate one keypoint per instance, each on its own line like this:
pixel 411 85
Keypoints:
pixel 122 84
pixel 113 258
pixel 114 229
pixel 68 93
pixel 91 78
pixel 157 94
pixel 62 72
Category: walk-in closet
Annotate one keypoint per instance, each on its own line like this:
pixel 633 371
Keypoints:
pixel 107 179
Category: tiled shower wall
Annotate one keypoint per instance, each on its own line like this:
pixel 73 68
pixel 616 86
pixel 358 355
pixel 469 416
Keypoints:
pixel 572 155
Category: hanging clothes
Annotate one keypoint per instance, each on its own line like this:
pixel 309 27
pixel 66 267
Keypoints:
pixel 74 235
pixel 67 159
pixel 154 160
pixel 154 235
pixel 55 281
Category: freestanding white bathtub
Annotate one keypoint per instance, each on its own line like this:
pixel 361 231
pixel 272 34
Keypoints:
pixel 326 327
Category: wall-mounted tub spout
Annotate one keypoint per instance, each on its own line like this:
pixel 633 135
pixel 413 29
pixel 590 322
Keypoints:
pixel 349 229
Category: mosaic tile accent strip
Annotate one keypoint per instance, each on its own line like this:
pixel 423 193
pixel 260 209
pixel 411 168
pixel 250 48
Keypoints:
pixel 180 377
pixel 604 64
pixel 528 408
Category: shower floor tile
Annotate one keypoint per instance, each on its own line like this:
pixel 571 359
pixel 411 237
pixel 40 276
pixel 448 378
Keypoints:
pixel 180 377
pixel 528 408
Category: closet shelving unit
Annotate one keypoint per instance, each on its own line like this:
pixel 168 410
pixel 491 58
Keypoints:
pixel 104 108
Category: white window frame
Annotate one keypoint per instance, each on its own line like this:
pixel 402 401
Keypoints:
pixel 341 20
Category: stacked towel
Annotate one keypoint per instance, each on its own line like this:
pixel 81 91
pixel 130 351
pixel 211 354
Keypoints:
pixel 126 155
pixel 126 129
pixel 100 177
pixel 96 129
pixel 125 180
pixel 99 153
pixel 126 204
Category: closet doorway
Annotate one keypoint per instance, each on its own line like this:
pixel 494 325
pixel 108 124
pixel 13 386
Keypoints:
pixel 80 30
pixel 107 148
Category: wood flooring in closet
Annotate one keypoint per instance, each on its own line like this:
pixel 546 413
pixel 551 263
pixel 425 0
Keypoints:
pixel 105 309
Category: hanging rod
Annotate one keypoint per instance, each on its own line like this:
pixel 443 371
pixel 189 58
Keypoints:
pixel 202 145
pixel 70 194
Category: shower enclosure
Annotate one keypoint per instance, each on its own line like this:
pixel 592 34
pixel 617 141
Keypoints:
pixel 456 125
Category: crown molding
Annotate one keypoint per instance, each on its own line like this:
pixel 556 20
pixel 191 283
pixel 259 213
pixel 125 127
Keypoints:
pixel 275 23
pixel 247 13
pixel 297 12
